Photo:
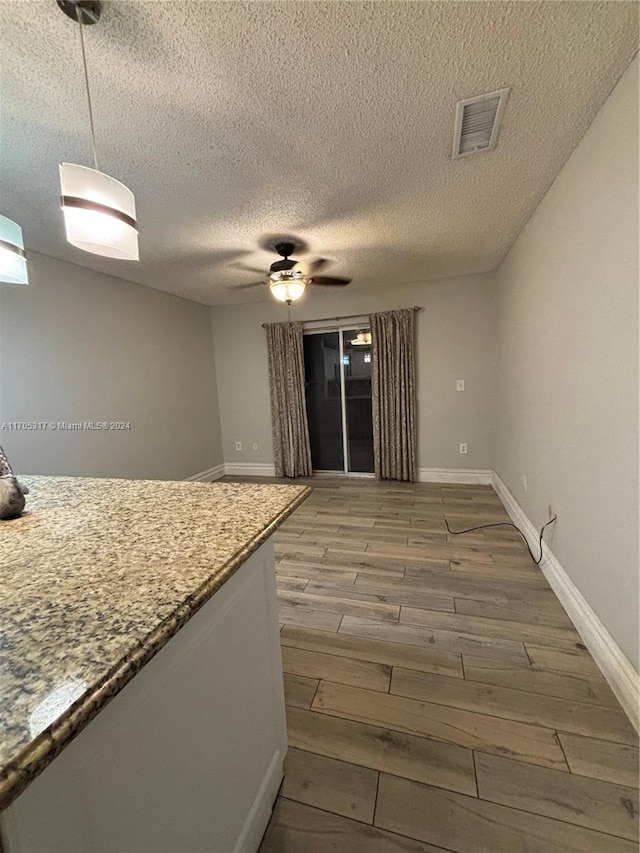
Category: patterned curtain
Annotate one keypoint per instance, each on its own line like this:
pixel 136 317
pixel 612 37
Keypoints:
pixel 394 394
pixel 291 447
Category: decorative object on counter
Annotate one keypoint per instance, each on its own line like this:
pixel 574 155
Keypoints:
pixel 13 260
pixel 12 492
pixel 99 211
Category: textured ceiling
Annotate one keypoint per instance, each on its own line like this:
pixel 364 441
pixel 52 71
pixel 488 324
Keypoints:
pixel 329 120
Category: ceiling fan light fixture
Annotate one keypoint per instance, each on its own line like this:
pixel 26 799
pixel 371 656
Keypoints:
pixel 287 289
pixel 99 213
pixel 13 260
pixel 287 280
pixel 287 285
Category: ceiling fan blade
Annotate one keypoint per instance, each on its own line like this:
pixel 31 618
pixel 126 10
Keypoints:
pixel 328 281
pixel 245 286
pixel 315 266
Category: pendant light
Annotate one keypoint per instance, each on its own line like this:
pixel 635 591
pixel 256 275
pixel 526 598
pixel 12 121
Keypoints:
pixel 13 260
pixel 99 212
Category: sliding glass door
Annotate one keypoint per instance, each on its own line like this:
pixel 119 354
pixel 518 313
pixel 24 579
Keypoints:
pixel 324 404
pixel 338 395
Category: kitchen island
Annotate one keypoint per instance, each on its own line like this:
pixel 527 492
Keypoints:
pixel 142 705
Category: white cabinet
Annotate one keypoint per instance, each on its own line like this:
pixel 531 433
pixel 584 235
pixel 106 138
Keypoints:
pixel 187 758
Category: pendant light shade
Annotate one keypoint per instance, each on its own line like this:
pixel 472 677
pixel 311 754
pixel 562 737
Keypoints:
pixel 99 213
pixel 13 261
pixel 288 289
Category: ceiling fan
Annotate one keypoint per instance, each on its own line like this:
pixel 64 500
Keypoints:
pixel 288 278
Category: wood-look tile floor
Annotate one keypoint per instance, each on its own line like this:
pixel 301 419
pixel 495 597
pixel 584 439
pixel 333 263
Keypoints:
pixel 438 697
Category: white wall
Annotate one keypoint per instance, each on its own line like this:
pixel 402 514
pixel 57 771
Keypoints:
pixel 568 390
pixel 77 345
pixel 455 339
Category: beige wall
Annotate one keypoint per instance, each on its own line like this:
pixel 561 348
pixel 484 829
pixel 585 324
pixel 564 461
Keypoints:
pixel 568 389
pixel 76 345
pixel 455 339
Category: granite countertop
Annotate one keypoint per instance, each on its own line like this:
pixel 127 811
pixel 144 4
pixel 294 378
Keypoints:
pixel 95 578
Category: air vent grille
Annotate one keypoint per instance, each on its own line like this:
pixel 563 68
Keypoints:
pixel 478 123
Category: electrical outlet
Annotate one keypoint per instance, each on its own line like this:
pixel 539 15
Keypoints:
pixel 552 512
pixel 238 445
pixel 525 482
pixel 463 448
pixel 255 446
pixel 459 384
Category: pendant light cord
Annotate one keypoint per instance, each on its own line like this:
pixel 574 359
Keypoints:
pixel 86 80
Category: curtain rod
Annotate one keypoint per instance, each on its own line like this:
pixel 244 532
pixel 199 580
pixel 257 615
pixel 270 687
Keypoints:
pixel 344 317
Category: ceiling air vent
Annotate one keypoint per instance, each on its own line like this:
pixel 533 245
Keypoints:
pixel 478 123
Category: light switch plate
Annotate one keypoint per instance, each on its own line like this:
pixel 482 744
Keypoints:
pixel 459 384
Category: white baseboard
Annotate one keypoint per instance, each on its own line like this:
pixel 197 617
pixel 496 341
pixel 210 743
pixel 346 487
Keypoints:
pixel 468 476
pixel 239 469
pixel 615 666
pixel 464 476
pixel 250 469
pixel 209 475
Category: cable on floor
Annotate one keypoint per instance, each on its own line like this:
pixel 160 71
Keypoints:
pixel 508 524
